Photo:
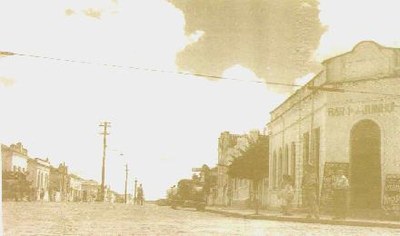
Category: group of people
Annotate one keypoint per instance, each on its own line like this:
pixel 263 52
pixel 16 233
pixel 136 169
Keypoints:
pixel 340 186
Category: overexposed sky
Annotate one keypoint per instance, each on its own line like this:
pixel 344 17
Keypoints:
pixel 164 123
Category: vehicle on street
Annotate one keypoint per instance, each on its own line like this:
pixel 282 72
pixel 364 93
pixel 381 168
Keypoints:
pixel 190 194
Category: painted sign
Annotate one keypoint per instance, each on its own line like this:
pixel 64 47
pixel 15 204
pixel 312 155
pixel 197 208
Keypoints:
pixel 330 169
pixel 391 193
pixel 361 109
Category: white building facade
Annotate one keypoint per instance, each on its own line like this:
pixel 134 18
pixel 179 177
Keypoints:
pixel 348 115
pixel 14 158
pixel 38 174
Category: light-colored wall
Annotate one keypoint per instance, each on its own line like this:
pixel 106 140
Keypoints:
pixel 11 158
pixel 366 60
pixel 19 162
pixel 287 129
pixel 388 120
pixel 335 114
pixel 368 68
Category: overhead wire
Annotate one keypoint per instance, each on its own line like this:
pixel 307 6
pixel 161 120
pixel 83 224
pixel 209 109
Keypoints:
pixel 152 69
pixel 181 72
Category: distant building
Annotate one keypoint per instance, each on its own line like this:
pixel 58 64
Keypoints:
pixel 59 182
pixel 346 117
pixel 234 191
pixel 109 195
pixel 90 190
pixel 38 174
pixel 15 185
pixel 74 188
pixel 213 191
pixel 226 142
pixel 14 158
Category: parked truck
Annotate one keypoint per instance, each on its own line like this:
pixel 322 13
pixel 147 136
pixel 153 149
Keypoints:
pixel 190 194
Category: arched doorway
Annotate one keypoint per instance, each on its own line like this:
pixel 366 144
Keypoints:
pixel 365 165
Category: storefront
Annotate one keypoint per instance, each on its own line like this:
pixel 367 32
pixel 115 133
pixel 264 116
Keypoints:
pixel 346 117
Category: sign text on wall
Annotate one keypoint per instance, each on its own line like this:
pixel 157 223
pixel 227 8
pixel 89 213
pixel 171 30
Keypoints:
pixel 391 194
pixel 361 109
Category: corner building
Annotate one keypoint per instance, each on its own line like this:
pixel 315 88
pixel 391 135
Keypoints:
pixel 349 113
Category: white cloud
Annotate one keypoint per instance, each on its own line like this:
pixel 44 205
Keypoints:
pixel 351 21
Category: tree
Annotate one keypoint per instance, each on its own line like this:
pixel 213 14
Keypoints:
pixel 210 179
pixel 252 163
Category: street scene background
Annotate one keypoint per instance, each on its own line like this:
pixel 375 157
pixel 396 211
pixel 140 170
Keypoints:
pixel 200 117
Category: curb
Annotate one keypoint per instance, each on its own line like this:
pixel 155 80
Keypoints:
pixel 305 220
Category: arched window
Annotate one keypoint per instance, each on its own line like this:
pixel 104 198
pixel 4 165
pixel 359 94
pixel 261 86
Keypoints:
pixel 280 167
pixel 306 148
pixel 286 161
pixel 274 171
pixel 41 180
pixel 293 162
pixel 46 181
pixel 38 180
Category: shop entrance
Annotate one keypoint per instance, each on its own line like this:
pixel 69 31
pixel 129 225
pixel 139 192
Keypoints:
pixel 365 165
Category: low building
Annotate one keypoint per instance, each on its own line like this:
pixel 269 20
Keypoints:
pixel 109 195
pixel 90 190
pixel 74 188
pixel 235 191
pixel 15 185
pixel 38 174
pixel 59 179
pixel 14 158
pixel 346 117
pixel 226 143
pixel 212 177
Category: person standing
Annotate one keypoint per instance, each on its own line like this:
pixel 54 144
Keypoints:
pixel 140 195
pixel 309 187
pixel 287 194
pixel 340 187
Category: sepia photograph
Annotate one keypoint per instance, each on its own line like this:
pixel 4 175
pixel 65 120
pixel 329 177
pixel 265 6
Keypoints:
pixel 200 117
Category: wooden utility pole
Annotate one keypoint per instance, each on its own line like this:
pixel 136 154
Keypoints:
pixel 126 183
pixel 134 193
pixel 105 125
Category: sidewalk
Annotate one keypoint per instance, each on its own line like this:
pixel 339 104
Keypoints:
pixel 298 217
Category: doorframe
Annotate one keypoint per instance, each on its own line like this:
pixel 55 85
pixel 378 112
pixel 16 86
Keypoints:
pixel 381 132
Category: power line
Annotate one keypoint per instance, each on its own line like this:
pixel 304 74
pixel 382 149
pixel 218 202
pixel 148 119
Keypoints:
pixel 147 69
pixel 5 53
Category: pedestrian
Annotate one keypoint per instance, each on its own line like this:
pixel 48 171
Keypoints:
pixel 340 187
pixel 140 195
pixel 309 187
pixel 287 194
